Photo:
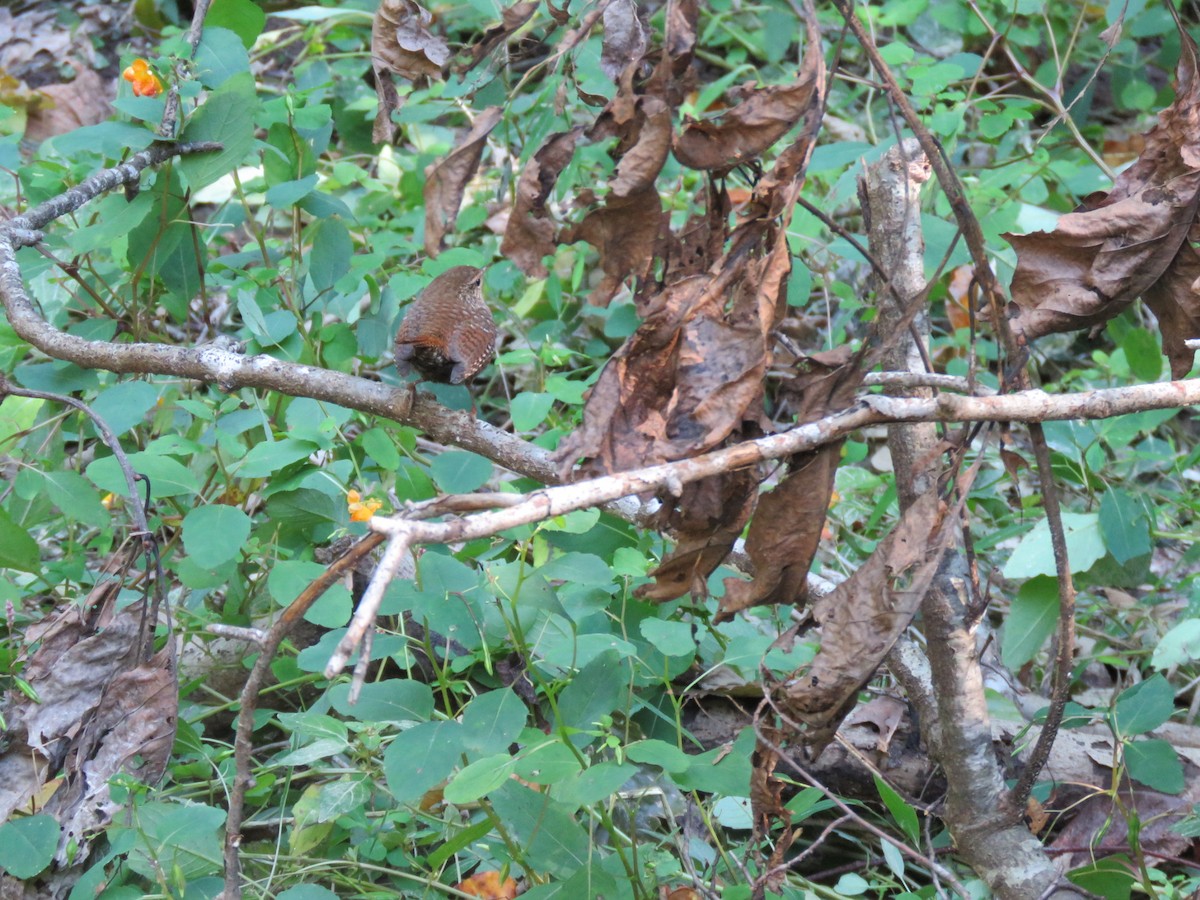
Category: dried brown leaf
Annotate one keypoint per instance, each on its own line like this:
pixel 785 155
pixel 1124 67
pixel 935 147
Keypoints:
pixel 698 244
pixel 884 714
pixel 640 165
pixel 529 235
pixel 674 78
pixel 785 534
pixel 561 16
pixel 766 791
pixel 624 38
pixel 742 133
pixel 402 44
pixel 511 19
pixel 862 618
pixel 786 530
pixel 1175 301
pixel 131 731
pixel 626 232
pixel 64 107
pixel 706 519
pixel 1130 242
pixel 446 180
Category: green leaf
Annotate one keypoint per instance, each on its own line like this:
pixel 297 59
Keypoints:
pixel 1143 353
pixel 221 54
pixel 269 457
pixel 669 638
pixel 666 756
pixel 491 722
pixel 331 252
pixel 168 478
pixel 593 692
pixel 180 837
pixel 165 243
pixel 243 17
pixel 1031 620
pixel 1035 555
pixel 1111 877
pixel 381 447
pixel 126 404
pixel 286 194
pixel 460 472
pixel 552 840
pixel 479 779
pixel 851 885
pixel 734 812
pixel 902 811
pixel 529 410
pixel 421 758
pixel 578 521
pixel 551 763
pixel 1144 706
pixel 17 414
pixel 109 139
pixel 593 881
pixel 214 535
pixel 721 770
pixel 27 845
pixel 1155 764
pixel 1125 525
pixel 1179 645
pixel 307 511
pixel 412 482
pixel 288 578
pixel 227 117
pixel 391 700
pixel 74 495
pixel 116 216
pixel 594 784
pixel 307 892
pixel 17 549
pixel 323 748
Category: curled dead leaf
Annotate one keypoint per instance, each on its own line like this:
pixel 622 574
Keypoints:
pixel 402 44
pixel 742 133
pixel 529 235
pixel 512 18
pixel 624 38
pixel 1130 242
pixel 862 618
pixel 446 180
pixel 625 231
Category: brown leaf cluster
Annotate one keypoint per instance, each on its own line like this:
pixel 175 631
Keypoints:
pixel 402 44
pixel 710 295
pixel 1133 241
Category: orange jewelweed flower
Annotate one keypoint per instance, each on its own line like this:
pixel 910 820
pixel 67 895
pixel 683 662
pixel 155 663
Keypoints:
pixel 145 82
pixel 361 510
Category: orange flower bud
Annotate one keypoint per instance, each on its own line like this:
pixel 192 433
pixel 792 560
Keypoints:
pixel 145 83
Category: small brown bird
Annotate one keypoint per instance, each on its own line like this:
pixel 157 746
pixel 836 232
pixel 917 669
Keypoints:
pixel 448 333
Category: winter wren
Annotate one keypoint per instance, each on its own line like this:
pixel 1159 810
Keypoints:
pixel 448 334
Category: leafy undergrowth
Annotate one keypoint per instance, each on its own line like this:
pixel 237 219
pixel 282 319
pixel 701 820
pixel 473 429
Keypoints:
pixel 567 708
